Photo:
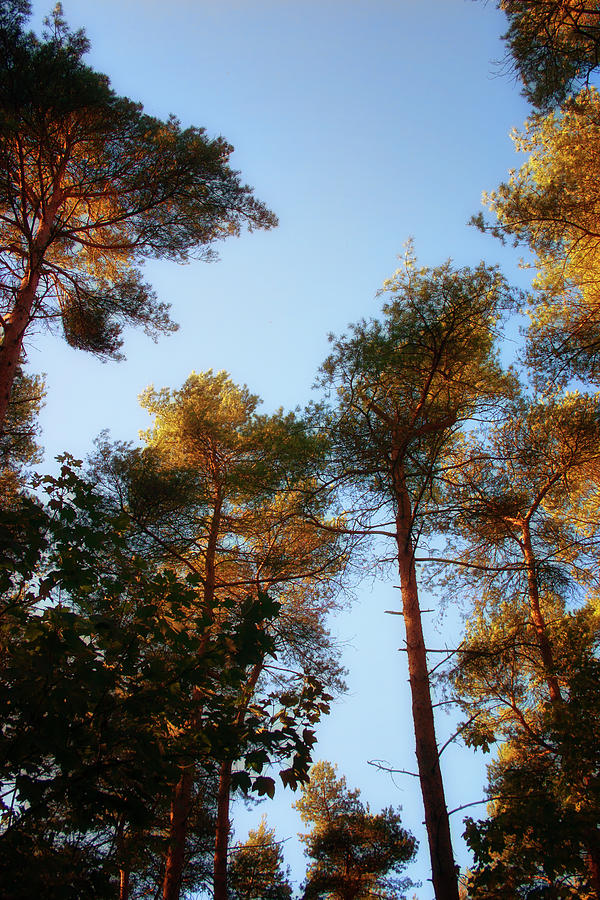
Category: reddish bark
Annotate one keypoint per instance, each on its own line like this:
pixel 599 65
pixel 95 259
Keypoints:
pixel 222 832
pixel 538 618
pixel 592 856
pixel 15 323
pixel 181 806
pixel 223 800
pixel 124 871
pixel 593 864
pixel 443 869
pixel 124 884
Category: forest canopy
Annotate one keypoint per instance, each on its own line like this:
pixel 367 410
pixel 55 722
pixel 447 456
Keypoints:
pixel 169 607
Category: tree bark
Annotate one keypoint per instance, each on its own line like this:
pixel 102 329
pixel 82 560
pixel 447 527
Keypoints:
pixel 220 861
pixel 182 799
pixel 592 848
pixel 443 869
pixel 16 321
pixel 538 618
pixel 593 863
pixel 124 878
pixel 222 832
pixel 124 867
pixel 181 806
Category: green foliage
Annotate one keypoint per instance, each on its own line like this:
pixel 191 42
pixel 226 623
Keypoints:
pixel 256 871
pixel 90 187
pixel 554 44
pixel 18 446
pixel 226 492
pixel 524 525
pixel 541 837
pixel 105 662
pixel 354 853
pixel 550 205
pixel 408 382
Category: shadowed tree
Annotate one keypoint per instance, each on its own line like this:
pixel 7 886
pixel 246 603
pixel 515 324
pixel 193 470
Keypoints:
pixel 104 660
pixel 554 45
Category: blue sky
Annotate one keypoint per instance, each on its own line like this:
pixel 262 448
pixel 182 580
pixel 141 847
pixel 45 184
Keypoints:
pixel 360 123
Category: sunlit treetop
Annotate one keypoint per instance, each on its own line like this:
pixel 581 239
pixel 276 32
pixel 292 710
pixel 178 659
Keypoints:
pixel 257 870
pixel 551 205
pixel 214 424
pixel 409 381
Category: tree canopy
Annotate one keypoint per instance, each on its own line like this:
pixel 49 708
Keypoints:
pixel 257 871
pixel 90 187
pixel 164 617
pixel 550 205
pixel 554 45
pixel 354 853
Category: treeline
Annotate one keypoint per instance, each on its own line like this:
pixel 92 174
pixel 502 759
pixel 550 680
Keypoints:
pixel 164 608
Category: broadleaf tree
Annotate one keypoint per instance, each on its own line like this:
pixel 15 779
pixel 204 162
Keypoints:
pixel 104 661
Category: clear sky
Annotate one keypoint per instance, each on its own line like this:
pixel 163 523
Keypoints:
pixel 360 123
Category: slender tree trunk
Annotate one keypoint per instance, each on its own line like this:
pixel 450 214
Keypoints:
pixel 16 321
pixel 223 799
pixel 537 618
pixel 181 806
pixel 124 879
pixel 592 856
pixel 182 799
pixel 222 832
pixel 124 870
pixel 443 869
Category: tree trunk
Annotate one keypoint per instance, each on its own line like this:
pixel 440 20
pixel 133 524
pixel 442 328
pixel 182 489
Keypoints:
pixel 16 321
pixel 592 855
pixel 593 863
pixel 222 832
pixel 124 868
pixel 223 798
pixel 124 884
pixel 181 806
pixel 538 618
pixel 182 798
pixel 443 869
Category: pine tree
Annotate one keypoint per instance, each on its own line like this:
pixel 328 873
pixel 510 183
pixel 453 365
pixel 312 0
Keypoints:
pixel 355 853
pixel 257 870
